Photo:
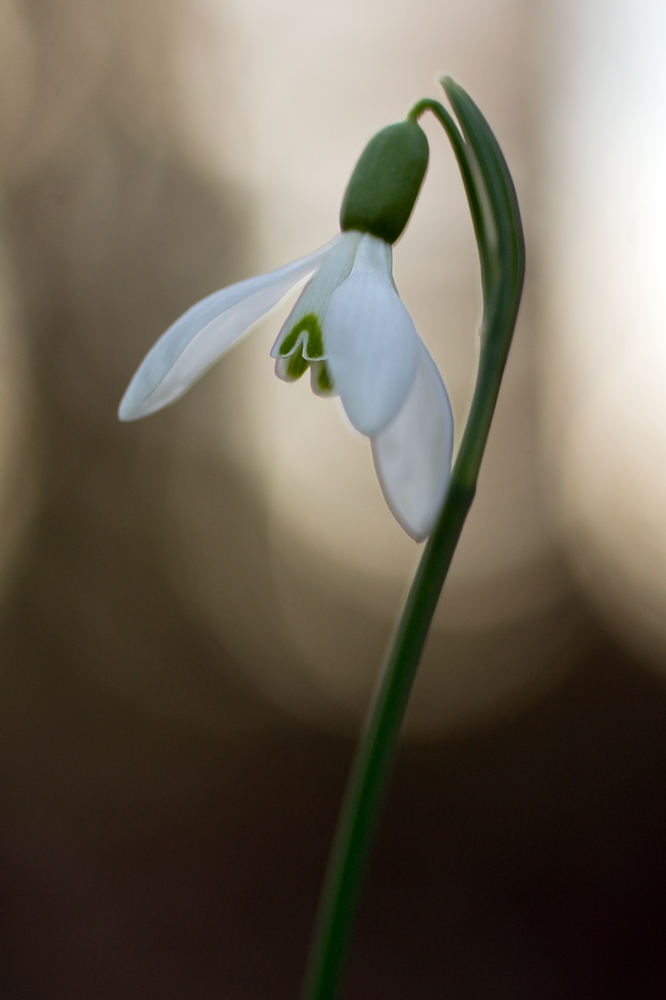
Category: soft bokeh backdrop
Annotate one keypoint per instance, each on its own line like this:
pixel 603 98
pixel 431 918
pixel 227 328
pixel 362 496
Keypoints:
pixel 194 608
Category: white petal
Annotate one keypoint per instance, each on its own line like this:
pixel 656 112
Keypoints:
pixel 413 453
pixel 205 332
pixel 371 341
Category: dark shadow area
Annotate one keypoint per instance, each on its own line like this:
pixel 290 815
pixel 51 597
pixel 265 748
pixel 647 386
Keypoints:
pixel 144 859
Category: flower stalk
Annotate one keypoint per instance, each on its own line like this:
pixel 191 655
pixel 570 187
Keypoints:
pixel 499 235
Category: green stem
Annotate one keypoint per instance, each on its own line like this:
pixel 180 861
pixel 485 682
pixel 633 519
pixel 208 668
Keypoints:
pixel 499 236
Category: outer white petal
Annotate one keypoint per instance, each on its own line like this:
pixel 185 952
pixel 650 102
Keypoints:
pixel 205 332
pixel 371 341
pixel 413 453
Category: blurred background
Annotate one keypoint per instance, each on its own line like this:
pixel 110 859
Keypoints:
pixel 193 608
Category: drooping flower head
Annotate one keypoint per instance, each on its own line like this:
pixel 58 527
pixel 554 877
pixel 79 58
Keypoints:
pixel 348 326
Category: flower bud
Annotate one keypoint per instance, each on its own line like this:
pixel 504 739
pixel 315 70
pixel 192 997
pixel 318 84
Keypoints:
pixel 386 181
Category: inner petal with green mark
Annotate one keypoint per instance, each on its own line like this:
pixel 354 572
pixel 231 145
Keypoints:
pixel 314 343
pixel 295 365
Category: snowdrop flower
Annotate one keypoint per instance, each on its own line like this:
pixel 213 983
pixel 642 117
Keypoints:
pixel 349 327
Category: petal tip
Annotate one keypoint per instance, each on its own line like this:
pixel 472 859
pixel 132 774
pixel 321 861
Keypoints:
pixel 419 530
pixel 126 414
pixel 133 404
pixel 126 411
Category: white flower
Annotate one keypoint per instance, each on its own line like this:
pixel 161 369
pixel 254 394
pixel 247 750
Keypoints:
pixel 350 327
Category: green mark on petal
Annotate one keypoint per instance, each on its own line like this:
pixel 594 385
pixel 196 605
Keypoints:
pixel 292 362
pixel 289 342
pixel 315 344
pixel 297 365
pixel 324 380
